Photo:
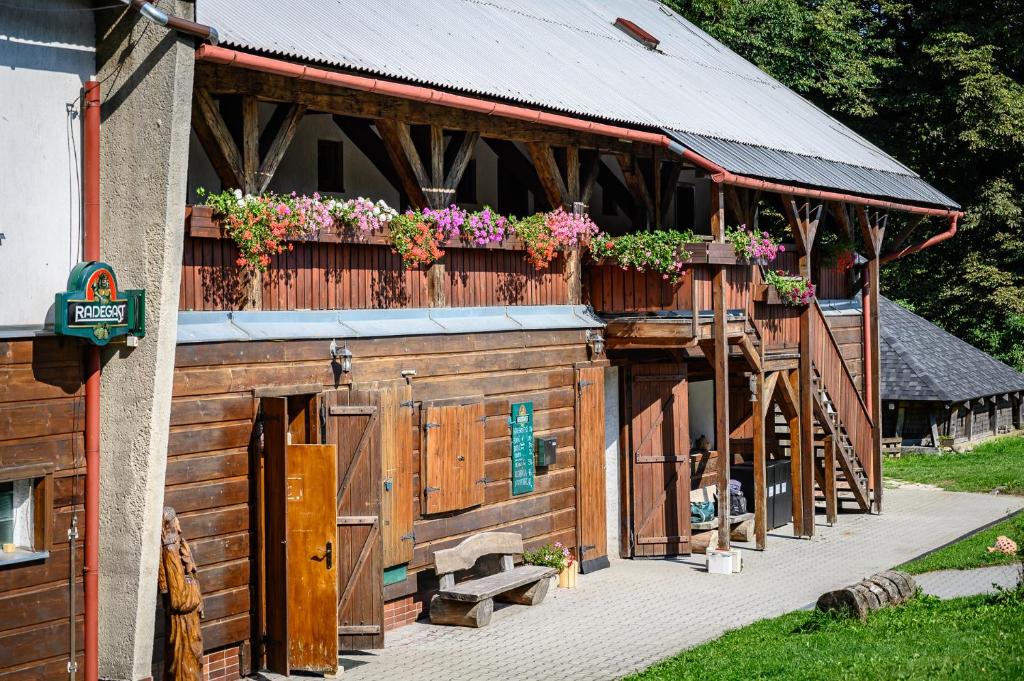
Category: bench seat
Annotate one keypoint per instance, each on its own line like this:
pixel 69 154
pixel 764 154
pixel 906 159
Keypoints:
pixel 475 590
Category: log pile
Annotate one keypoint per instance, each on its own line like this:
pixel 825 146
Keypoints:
pixel 866 596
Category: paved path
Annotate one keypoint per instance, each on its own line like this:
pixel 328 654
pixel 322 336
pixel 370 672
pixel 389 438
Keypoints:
pixel 954 583
pixel 635 613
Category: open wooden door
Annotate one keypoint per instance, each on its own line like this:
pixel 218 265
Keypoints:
pixel 592 542
pixel 352 426
pixel 301 584
pixel 660 443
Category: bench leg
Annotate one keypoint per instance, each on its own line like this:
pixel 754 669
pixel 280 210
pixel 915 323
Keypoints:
pixel 461 613
pixel 530 594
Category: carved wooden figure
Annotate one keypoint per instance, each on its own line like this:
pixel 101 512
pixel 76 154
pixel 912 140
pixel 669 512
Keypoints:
pixel 183 604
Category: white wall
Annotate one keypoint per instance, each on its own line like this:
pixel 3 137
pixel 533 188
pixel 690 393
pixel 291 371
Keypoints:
pixel 45 56
pixel 611 457
pixel 702 411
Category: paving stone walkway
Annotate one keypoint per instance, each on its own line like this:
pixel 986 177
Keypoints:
pixel 635 613
pixel 955 583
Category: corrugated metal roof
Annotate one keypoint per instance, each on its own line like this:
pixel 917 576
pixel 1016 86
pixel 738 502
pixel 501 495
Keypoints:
pixel 212 327
pixel 567 55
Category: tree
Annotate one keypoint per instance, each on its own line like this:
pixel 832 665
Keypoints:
pixel 939 85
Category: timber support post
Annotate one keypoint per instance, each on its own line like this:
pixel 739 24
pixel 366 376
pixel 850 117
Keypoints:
pixel 872 228
pixel 720 343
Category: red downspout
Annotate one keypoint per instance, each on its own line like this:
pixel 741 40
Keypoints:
pixel 91 191
pixel 938 238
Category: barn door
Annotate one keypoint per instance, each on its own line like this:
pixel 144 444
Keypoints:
pixel 660 445
pixel 300 548
pixel 592 542
pixel 352 427
pixel 396 431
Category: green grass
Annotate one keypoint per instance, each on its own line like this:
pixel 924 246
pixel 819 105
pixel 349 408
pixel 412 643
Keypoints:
pixel 995 465
pixel 971 552
pixel 979 637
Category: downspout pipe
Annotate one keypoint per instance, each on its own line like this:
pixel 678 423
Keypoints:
pixel 158 16
pixel 418 93
pixel 91 228
pixel 928 243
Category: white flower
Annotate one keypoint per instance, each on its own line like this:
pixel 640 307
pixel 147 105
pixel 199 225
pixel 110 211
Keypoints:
pixel 241 203
pixel 238 193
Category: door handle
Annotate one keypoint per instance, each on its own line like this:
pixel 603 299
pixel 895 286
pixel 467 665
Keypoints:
pixel 329 555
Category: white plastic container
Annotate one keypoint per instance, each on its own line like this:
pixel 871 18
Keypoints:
pixel 720 562
pixel 737 560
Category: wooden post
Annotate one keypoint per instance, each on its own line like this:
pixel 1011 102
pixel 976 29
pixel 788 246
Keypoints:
pixel 873 231
pixel 574 276
pixel 760 465
pixel 795 436
pixel 806 421
pixel 831 502
pixel 721 359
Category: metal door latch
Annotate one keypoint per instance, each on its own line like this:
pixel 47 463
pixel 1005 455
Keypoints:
pixel 409 537
pixel 431 490
pixel 428 426
pixel 584 384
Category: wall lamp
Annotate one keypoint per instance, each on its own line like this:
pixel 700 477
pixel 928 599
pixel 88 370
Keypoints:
pixel 596 342
pixel 752 384
pixel 343 356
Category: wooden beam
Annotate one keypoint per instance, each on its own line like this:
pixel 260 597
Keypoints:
pixel 873 231
pixel 770 381
pixel 805 371
pixel 458 166
pixel 721 366
pixel 216 140
pixel 278 146
pixel 750 353
pixel 572 175
pixel 760 466
pixel 637 186
pixel 791 403
pixel 829 486
pixel 615 189
pixel 549 175
pixel 590 169
pixel 718 212
pixel 405 159
pixel 670 172
pixel 250 143
pixel 360 131
pixel 436 156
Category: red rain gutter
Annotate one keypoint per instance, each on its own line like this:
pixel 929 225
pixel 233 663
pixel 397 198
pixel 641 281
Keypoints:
pixel 418 93
pixel 91 227
pixel 928 243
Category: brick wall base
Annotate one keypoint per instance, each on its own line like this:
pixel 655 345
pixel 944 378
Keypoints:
pixel 223 665
pixel 402 611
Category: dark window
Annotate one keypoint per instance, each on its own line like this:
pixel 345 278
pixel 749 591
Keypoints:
pixel 6 512
pixel 684 206
pixel 465 192
pixel 608 206
pixel 330 166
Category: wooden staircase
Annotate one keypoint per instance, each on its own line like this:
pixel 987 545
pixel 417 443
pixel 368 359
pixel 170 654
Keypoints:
pixel 837 466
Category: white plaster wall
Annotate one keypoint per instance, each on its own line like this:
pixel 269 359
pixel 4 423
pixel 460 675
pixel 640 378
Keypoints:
pixel 611 457
pixel 45 56
pixel 702 411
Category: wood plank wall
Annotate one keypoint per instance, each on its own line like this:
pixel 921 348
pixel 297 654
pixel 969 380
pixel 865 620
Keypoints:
pixel 849 332
pixel 333 276
pixel 611 289
pixel 41 419
pixel 209 479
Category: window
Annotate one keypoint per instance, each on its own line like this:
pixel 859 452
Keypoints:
pixel 25 499
pixel 684 207
pixel 465 192
pixel 453 462
pixel 608 205
pixel 330 166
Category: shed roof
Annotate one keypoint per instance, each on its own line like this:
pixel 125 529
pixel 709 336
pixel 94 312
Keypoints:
pixel 568 56
pixel 920 361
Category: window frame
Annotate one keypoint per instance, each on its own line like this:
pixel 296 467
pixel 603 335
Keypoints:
pixel 41 475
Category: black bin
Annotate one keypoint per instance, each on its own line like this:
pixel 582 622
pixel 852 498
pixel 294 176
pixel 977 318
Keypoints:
pixel 780 492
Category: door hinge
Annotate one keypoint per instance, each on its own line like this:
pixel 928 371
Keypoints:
pixel 584 384
pixel 586 547
pixel 408 403
pixel 483 481
pixel 428 425
pixel 482 419
pixel 431 490
pixel 409 537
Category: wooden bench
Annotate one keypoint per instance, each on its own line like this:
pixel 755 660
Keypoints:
pixel 490 554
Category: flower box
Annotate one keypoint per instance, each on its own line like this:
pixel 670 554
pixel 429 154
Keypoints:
pixel 767 294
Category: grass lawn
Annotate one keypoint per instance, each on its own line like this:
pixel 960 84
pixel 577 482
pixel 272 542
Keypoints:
pixel 980 637
pixel 970 552
pixel 996 464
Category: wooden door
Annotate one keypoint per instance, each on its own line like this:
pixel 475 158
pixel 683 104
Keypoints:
pixel 312 575
pixel 352 426
pixel 591 522
pixel 453 461
pixel 396 431
pixel 274 411
pixel 660 445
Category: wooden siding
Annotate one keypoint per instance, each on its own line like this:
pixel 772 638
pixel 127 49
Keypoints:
pixel 342 276
pixel 849 332
pixel 213 411
pixel 41 420
pixel 612 289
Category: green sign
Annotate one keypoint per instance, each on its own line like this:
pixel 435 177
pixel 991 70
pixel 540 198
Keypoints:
pixel 521 423
pixel 95 309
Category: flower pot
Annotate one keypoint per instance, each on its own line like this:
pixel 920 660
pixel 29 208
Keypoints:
pixel 567 576
pixel 760 262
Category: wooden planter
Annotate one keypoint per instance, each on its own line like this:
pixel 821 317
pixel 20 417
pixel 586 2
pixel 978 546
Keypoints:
pixel 567 577
pixel 769 295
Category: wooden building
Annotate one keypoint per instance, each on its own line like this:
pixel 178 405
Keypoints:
pixel 339 417
pixel 936 386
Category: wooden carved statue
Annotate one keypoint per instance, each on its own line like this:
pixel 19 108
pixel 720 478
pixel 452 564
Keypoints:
pixel 183 604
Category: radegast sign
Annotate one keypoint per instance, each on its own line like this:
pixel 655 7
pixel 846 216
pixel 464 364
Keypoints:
pixel 94 309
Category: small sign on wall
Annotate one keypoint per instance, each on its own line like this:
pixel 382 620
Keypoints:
pixel 95 309
pixel 521 424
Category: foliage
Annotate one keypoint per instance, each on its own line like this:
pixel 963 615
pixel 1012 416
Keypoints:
pixel 926 638
pixel 994 465
pixel 751 245
pixel 260 225
pixel 361 216
pixel 972 551
pixel 937 83
pixel 793 290
pixel 556 556
pixel 416 239
pixel 544 233
pixel 661 251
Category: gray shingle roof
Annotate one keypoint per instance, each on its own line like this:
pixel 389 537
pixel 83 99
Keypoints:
pixel 920 361
pixel 568 56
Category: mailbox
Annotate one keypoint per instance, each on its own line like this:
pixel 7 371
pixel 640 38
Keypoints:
pixel 546 451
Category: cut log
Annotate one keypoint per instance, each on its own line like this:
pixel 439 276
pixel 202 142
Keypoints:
pixel 866 596
pixel 529 594
pixel 460 613
pixel 744 531
pixel 700 541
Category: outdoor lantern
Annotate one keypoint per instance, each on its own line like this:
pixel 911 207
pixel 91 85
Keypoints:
pixel 596 342
pixel 752 382
pixel 343 355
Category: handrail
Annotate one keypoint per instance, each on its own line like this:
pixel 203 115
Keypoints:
pixel 846 369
